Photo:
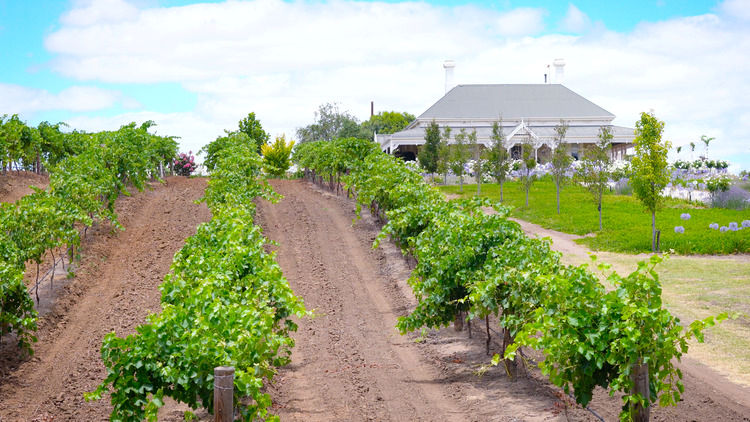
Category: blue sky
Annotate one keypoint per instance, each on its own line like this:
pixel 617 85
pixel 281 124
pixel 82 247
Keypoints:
pixel 197 68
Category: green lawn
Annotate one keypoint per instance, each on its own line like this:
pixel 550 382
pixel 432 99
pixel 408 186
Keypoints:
pixel 626 225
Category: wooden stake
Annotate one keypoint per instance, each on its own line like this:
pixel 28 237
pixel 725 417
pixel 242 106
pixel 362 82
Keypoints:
pixel 223 394
pixel 639 375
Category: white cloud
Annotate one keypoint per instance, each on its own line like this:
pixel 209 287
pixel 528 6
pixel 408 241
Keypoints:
pixel 738 9
pixel 19 99
pixel 90 12
pixel 575 21
pixel 521 21
pixel 282 59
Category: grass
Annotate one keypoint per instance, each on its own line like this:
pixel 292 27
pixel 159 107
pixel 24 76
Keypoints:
pixel 698 287
pixel 626 224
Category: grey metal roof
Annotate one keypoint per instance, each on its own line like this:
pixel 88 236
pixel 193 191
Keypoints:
pixel 513 101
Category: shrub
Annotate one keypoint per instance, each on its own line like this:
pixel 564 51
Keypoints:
pixel 184 164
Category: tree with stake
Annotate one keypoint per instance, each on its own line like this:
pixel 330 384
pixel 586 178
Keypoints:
pixel 650 167
pixel 459 157
pixel 706 140
pixel 528 163
pixel 478 167
pixel 444 154
pixel 498 157
pixel 561 159
pixel 594 172
pixel 429 153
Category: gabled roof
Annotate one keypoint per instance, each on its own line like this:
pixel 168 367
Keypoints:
pixel 513 101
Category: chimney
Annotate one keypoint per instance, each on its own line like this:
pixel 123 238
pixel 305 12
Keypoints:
pixel 448 65
pixel 372 108
pixel 559 65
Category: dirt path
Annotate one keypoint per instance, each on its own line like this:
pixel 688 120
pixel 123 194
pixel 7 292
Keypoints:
pixel 114 289
pixel 349 362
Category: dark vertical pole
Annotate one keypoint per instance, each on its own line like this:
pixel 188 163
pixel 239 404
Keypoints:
pixel 372 108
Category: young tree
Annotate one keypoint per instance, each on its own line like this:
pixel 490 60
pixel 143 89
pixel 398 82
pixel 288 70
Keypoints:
pixel 478 155
pixel 444 154
pixel 649 166
pixel 276 157
pixel 330 124
pixel 561 159
pixel 594 171
pixel 459 157
pixel 387 122
pixel 428 154
pixel 498 157
pixel 528 163
pixel 706 140
pixel 251 127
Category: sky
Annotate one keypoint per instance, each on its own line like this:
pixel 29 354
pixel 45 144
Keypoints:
pixel 197 67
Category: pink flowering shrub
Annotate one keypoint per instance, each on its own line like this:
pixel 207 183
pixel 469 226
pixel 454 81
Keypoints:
pixel 184 164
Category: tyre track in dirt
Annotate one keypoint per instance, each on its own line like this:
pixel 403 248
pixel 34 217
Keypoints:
pixel 349 362
pixel 115 288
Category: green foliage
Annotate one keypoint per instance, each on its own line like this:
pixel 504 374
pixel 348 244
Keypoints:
pixel 561 159
pixel 277 157
pixel 82 188
pixel 459 156
pixel 229 140
pixel 224 303
pixel 251 127
pixel 593 173
pixel 650 171
pixel 498 159
pixel 444 153
pixel 626 226
pixel 468 260
pixel 528 163
pixel 387 122
pixel 331 123
pixel 429 153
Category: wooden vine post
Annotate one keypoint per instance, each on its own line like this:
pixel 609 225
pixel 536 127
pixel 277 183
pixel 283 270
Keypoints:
pixel 223 394
pixel 639 375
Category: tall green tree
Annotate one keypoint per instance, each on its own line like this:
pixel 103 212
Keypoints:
pixel 331 123
pixel 428 154
pixel 528 164
pixel 444 154
pixel 251 127
pixel 229 140
pixel 649 166
pixel 561 159
pixel 460 156
pixel 498 157
pixel 387 122
pixel 478 156
pixel 594 172
pixel 706 140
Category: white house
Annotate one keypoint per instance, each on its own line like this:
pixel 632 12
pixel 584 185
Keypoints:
pixel 529 113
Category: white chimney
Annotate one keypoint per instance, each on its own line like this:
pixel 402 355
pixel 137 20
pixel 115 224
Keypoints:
pixel 448 65
pixel 559 65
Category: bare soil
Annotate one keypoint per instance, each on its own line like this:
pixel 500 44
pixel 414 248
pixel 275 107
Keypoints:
pixel 350 363
pixel 114 289
pixel 14 185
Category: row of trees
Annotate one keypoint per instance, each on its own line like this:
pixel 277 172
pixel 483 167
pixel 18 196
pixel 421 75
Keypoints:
pixel 82 189
pixel 649 171
pixel 621 339
pixel 25 147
